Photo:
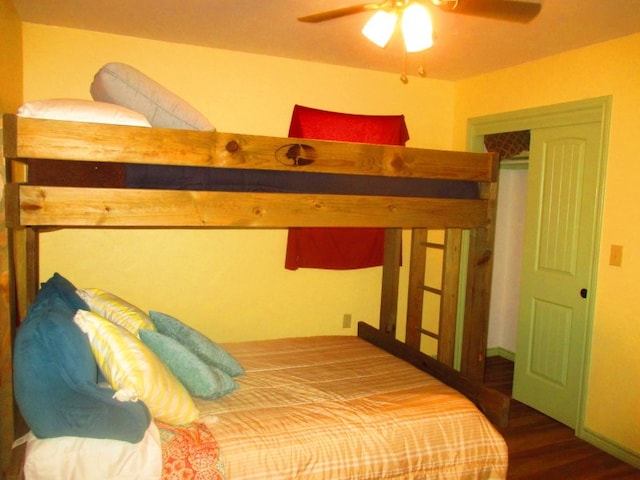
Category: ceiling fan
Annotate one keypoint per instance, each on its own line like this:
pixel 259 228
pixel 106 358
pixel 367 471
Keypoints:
pixel 509 10
pixel 416 23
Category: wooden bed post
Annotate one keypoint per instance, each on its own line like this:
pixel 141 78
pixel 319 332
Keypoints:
pixel 449 296
pixel 19 284
pixel 26 267
pixel 415 300
pixel 6 330
pixel 479 273
pixel 390 280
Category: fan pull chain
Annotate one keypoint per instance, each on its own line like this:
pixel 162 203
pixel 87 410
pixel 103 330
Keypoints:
pixel 403 78
pixel 421 70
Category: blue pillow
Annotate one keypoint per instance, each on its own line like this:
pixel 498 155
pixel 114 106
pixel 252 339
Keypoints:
pixel 67 291
pixel 55 378
pixel 209 351
pixel 200 379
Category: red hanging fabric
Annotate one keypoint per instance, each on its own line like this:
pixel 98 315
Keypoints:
pixel 341 248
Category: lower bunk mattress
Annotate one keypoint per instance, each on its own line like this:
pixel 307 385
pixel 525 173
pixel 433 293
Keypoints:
pixel 315 408
pixel 339 407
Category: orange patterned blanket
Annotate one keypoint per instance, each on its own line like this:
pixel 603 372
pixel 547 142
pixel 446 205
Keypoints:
pixel 189 452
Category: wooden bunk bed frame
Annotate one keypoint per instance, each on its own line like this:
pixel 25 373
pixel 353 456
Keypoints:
pixel 31 209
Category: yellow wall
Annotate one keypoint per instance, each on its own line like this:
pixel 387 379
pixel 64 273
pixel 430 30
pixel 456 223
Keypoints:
pixel 10 57
pixel 611 68
pixel 231 285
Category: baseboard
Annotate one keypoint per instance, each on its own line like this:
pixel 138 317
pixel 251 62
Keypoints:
pixel 612 448
pixel 501 352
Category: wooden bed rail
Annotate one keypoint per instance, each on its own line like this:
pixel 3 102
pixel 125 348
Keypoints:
pixel 104 207
pixel 60 140
pixel 494 404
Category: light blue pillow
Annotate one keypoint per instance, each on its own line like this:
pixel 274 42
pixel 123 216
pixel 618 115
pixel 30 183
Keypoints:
pixel 200 379
pixel 209 351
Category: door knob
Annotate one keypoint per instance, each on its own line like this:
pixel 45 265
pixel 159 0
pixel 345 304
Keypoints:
pixel 583 293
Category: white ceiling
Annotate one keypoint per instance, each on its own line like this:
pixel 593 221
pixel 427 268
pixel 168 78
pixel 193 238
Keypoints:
pixel 465 46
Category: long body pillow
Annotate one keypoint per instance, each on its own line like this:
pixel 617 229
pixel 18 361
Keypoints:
pixel 126 86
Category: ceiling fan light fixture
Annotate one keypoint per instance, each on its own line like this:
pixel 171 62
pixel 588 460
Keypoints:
pixel 417 28
pixel 380 27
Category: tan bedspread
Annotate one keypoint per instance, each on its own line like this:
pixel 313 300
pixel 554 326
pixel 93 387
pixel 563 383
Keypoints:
pixel 340 408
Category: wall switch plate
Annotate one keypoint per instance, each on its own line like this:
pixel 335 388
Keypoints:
pixel 615 257
pixel 346 320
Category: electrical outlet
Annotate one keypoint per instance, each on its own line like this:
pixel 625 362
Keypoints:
pixel 346 320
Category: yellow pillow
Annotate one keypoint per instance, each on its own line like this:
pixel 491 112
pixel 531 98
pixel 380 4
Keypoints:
pixel 133 370
pixel 116 309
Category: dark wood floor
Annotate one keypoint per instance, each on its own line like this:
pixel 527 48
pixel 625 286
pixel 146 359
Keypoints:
pixel 541 448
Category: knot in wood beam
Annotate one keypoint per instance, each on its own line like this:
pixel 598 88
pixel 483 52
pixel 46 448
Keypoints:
pixel 232 146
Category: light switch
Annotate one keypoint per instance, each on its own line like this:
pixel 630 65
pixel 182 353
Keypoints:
pixel 615 258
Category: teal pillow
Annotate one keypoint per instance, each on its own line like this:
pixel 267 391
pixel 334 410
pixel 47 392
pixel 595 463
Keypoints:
pixel 200 379
pixel 209 351
pixel 67 292
pixel 55 373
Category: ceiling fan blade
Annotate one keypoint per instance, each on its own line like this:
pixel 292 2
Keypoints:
pixel 509 10
pixel 338 12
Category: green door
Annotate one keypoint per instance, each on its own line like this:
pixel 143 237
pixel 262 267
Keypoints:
pixel 559 248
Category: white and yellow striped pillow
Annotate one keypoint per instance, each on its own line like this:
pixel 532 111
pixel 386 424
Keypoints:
pixel 116 309
pixel 128 364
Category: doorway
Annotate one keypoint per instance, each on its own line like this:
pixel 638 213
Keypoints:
pixel 509 240
pixel 592 111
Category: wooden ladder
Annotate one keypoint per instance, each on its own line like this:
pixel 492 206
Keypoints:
pixel 439 325
pixel 474 334
pixel 447 289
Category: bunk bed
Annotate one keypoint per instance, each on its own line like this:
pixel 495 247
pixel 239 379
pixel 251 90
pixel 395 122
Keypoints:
pixel 31 209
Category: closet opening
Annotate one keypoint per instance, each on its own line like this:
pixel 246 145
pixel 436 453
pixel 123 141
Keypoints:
pixel 513 148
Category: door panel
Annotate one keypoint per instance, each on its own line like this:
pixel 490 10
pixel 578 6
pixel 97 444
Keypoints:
pixel 558 250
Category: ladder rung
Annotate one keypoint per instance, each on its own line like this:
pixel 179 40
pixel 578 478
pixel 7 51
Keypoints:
pixel 439 246
pixel 429 333
pixel 426 288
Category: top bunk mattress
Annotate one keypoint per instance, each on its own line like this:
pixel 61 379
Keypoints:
pixel 241 180
pixel 170 177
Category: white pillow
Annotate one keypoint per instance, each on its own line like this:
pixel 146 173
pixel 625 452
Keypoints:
pixel 124 85
pixel 79 110
pixel 77 458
